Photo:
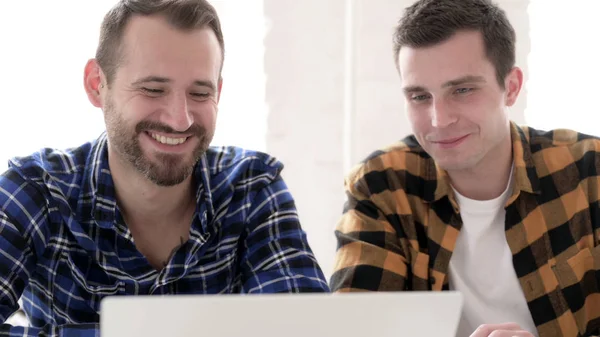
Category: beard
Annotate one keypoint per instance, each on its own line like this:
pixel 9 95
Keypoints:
pixel 166 169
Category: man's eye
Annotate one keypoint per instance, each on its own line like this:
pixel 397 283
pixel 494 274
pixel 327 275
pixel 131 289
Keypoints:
pixel 419 97
pixel 200 94
pixel 152 91
pixel 463 90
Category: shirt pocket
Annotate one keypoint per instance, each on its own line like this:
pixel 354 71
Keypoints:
pixel 80 284
pixel 579 281
pixel 419 267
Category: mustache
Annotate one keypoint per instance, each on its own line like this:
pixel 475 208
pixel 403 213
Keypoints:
pixel 156 126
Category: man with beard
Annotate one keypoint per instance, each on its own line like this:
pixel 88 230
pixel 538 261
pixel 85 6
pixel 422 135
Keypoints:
pixel 147 208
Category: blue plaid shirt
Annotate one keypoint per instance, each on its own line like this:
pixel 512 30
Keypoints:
pixel 64 245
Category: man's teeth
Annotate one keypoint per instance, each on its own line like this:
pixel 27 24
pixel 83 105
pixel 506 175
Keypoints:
pixel 167 140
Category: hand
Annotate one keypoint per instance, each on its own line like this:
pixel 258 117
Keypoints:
pixel 501 330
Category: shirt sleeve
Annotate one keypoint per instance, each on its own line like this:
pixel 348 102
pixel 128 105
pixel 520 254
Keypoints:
pixel 18 257
pixel 17 262
pixel 368 255
pixel 277 257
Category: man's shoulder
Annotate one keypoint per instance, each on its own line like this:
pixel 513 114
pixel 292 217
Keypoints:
pixel 559 142
pixel 236 159
pixel 242 179
pixel 557 137
pixel 46 172
pixel 51 162
pixel 33 182
pixel 403 155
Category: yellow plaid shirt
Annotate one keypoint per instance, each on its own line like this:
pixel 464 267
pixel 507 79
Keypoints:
pixel 401 222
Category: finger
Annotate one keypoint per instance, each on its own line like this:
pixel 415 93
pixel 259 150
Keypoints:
pixel 510 333
pixel 486 329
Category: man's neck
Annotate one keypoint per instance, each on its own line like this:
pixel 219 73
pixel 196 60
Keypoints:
pixel 143 202
pixel 489 178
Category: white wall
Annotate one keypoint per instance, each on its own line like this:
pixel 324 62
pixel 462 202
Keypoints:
pixel 304 62
pixel 564 68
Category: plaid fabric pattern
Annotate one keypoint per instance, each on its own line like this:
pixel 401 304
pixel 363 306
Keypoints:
pixel 401 222
pixel 64 245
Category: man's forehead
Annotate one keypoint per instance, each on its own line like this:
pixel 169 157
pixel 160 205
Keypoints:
pixel 460 48
pixel 156 30
pixel 419 68
pixel 167 51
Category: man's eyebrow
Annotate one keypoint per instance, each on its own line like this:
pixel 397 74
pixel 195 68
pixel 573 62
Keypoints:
pixel 452 83
pixel 413 88
pixel 208 84
pixel 151 78
pixel 159 79
pixel 463 80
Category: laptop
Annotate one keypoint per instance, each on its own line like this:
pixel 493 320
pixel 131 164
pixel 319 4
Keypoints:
pixel 381 314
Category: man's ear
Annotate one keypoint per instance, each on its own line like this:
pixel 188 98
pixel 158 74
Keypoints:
pixel 93 82
pixel 513 84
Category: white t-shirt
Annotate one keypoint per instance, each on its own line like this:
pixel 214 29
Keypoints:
pixel 481 268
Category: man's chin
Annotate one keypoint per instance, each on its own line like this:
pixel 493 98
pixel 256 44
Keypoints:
pixel 167 170
pixel 457 163
pixel 167 178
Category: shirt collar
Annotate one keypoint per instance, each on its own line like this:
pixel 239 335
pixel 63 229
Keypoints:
pixel 104 205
